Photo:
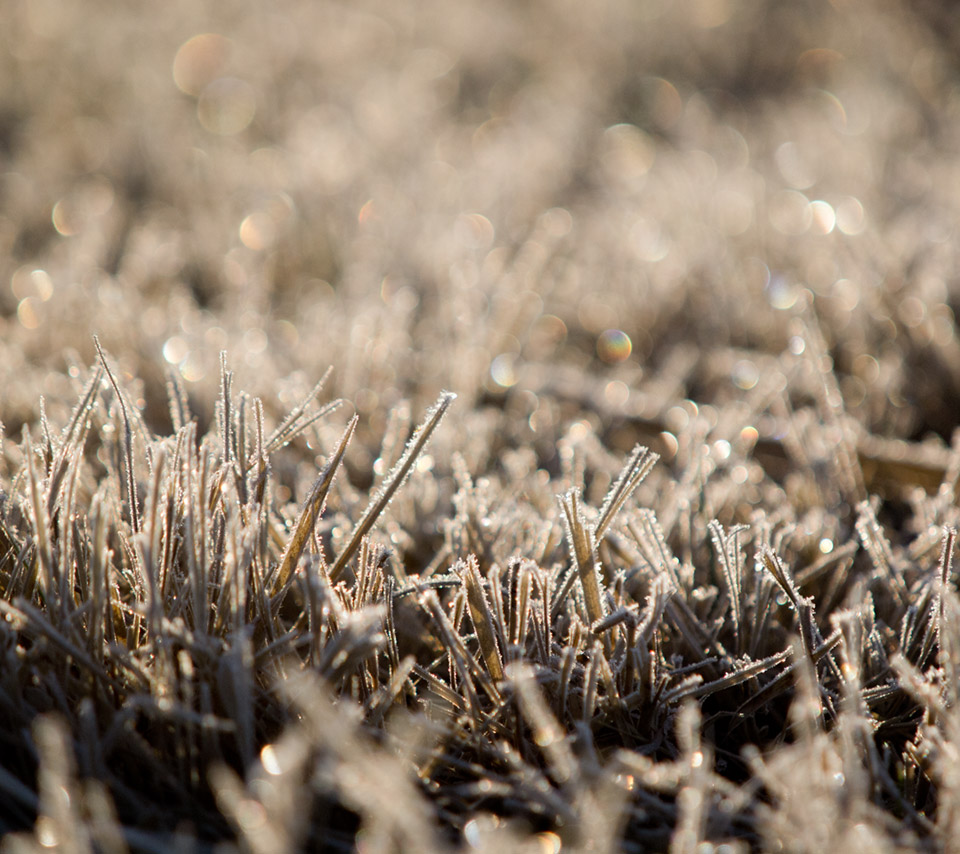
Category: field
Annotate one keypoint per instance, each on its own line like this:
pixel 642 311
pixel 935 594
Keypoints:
pixel 495 426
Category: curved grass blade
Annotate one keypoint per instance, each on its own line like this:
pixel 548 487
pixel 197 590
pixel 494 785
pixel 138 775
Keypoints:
pixel 635 469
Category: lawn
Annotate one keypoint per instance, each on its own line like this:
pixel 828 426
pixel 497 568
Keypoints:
pixel 496 426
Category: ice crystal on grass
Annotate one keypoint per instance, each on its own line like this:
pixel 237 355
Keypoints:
pixel 674 572
pixel 207 638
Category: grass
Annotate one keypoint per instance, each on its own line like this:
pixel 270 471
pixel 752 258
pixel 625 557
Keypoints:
pixel 479 427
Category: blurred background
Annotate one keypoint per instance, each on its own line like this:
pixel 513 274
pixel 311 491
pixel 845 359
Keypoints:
pixel 622 203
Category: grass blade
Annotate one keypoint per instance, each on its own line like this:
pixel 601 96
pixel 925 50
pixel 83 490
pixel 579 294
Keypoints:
pixel 392 483
pixel 312 510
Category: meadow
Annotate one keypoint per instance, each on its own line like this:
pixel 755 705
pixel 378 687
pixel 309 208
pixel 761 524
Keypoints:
pixel 480 426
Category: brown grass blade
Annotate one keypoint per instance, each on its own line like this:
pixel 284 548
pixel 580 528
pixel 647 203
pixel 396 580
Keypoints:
pixel 393 482
pixel 469 572
pixel 130 481
pixel 312 510
pixel 635 469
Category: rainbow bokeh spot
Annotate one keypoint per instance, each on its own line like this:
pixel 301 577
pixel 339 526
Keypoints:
pixel 614 345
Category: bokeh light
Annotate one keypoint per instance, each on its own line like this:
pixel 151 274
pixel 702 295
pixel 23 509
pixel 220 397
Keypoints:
pixel 851 217
pixel 226 106
pixel 745 374
pixel 789 212
pixel 614 345
pixel 616 393
pixel 29 313
pixel 823 215
pixel 627 155
pixel 199 61
pixel 503 370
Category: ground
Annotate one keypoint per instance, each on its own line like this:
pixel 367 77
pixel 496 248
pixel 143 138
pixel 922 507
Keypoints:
pixel 436 426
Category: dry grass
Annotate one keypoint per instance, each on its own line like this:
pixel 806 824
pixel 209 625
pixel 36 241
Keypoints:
pixel 480 426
